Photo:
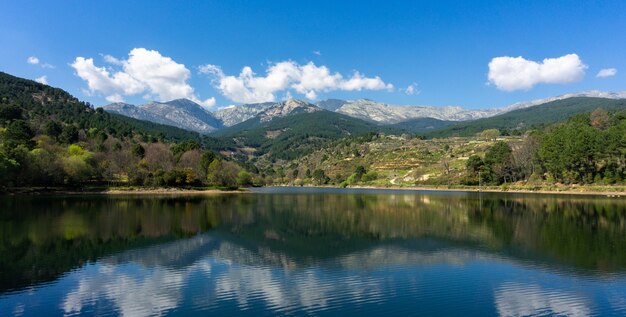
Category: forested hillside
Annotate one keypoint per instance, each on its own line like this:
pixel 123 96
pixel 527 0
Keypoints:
pixel 422 125
pixel 49 138
pixel 539 116
pixel 295 135
pixel 586 149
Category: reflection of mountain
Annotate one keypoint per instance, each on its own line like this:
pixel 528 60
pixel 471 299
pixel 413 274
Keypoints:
pixel 46 236
pixel 185 252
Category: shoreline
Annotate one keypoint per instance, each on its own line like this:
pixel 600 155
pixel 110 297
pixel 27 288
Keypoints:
pixel 617 192
pixel 125 191
pixel 582 191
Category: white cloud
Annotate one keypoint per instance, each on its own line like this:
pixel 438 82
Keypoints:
pixel 144 72
pixel 115 98
pixel 42 80
pixel 33 60
pixel 607 72
pixel 308 80
pixel 318 53
pixel 112 60
pixel 412 89
pixel 517 73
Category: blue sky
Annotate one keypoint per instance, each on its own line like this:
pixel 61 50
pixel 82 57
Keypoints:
pixel 317 49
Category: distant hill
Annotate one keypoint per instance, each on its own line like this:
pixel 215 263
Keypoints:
pixel 294 128
pixel 422 125
pixel 181 113
pixel 535 116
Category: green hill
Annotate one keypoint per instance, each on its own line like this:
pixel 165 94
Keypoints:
pixel 40 103
pixel 422 125
pixel 294 135
pixel 532 117
pixel 49 138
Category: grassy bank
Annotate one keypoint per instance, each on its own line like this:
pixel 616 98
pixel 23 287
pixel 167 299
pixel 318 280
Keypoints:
pixel 113 190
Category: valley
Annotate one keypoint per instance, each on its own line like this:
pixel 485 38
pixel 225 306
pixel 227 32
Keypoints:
pixel 332 143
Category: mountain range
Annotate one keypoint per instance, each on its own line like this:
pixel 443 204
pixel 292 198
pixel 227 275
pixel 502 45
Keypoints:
pixel 181 113
pixel 186 114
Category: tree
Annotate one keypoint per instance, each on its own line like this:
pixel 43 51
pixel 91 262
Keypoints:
pixel 223 173
pixel 526 155
pixel 7 168
pixel 474 163
pixel 10 112
pixel 159 156
pixel 19 132
pixel 206 159
pixel 499 159
pixel 138 150
pixel 244 178
pixel 569 151
pixel 320 177
pixel 191 160
pixel 179 148
pixel 76 164
pixel 490 134
pixel 53 129
pixel 69 134
pixel 359 171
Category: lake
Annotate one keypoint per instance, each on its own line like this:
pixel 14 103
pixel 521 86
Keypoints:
pixel 321 252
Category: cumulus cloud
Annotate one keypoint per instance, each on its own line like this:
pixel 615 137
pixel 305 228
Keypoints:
pixel 517 73
pixel 308 80
pixel 42 80
pixel 411 89
pixel 144 72
pixel 607 72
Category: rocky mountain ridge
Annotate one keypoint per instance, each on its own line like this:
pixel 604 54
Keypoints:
pixel 181 113
pixel 186 114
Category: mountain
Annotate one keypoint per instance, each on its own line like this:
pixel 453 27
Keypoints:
pixel 286 108
pixel 532 116
pixel 181 113
pixel 188 115
pixel 391 114
pixel 236 114
pixel 331 104
pixel 275 110
pixel 292 128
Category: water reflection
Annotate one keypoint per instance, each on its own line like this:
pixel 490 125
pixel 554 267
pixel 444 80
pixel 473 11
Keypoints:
pixel 532 300
pixel 510 255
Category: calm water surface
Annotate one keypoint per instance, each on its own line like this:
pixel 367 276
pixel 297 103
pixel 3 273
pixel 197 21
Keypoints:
pixel 313 252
